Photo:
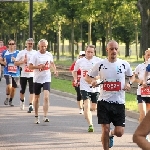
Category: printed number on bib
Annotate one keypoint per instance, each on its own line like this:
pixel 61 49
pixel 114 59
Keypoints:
pixel 12 68
pixel 26 69
pixel 112 86
pixel 84 73
pixel 145 90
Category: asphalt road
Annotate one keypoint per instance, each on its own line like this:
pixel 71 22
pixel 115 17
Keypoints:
pixel 67 130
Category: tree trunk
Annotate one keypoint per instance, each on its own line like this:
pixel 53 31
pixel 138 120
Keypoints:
pixel 103 46
pixel 72 38
pixel 144 8
pixel 127 49
pixel 89 31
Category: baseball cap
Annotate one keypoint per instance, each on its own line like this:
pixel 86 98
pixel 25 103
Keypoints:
pixel 82 53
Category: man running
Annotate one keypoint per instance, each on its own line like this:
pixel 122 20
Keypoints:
pixel 111 103
pixel 11 72
pixel 22 60
pixel 2 48
pixel 41 63
pixel 85 64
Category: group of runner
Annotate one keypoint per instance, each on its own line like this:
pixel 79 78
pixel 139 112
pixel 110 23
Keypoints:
pixel 32 67
pixel 100 84
pixel 110 74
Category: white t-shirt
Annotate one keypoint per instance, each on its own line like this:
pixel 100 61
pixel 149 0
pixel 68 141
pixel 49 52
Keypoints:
pixel 85 65
pixel 26 72
pixel 140 72
pixel 38 59
pixel 113 75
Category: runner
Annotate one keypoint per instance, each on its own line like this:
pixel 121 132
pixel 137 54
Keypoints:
pixel 22 60
pixel 139 136
pixel 2 48
pixel 85 64
pixel 111 103
pixel 41 63
pixel 77 87
pixel 11 72
pixel 143 96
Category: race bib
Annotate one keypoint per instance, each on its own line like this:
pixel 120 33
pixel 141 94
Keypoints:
pixel 145 90
pixel 12 68
pixel 26 69
pixel 46 67
pixel 84 73
pixel 112 86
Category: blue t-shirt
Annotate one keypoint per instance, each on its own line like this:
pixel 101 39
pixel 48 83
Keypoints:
pixel 10 68
pixel 148 68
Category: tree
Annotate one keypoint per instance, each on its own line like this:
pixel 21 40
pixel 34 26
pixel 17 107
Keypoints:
pixel 144 8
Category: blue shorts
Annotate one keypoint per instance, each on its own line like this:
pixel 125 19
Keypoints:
pixel 37 87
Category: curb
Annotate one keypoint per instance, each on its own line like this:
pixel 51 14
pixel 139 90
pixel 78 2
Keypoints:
pixel 129 113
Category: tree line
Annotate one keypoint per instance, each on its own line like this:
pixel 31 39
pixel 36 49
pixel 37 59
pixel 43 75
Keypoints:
pixel 79 21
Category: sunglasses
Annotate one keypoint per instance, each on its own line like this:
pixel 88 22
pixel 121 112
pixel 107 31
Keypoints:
pixel 11 44
pixel 30 43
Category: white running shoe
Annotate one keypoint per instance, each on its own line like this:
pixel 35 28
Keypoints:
pixel 80 111
pixel 22 105
pixel 6 101
pixel 45 119
pixel 37 120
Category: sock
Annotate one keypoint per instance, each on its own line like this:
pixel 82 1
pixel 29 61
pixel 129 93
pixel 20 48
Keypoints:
pixel 7 95
pixel 10 100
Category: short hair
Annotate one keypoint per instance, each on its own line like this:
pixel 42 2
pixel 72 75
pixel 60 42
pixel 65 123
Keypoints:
pixel 111 41
pixel 11 40
pixel 148 50
pixel 2 40
pixel 29 39
pixel 90 46
pixel 43 40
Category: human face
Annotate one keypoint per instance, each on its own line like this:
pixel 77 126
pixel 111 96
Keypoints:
pixel 29 44
pixel 89 52
pixel 147 55
pixel 42 47
pixel 11 45
pixel 112 50
pixel 1 43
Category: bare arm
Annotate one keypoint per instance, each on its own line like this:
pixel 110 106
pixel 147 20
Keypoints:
pixel 54 68
pixel 139 136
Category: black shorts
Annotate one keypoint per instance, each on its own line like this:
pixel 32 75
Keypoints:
pixel 79 97
pixel 143 99
pixel 94 97
pixel 23 84
pixel 85 95
pixel 111 113
pixel 37 87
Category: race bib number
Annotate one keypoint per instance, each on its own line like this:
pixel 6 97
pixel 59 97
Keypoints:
pixel 84 73
pixel 12 68
pixel 46 67
pixel 145 90
pixel 26 69
pixel 112 86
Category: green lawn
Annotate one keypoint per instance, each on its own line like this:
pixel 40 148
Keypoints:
pixel 66 86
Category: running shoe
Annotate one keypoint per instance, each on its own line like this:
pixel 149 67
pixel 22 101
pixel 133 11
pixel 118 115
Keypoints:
pixel 11 104
pixel 37 120
pixel 147 138
pixel 6 101
pixel 80 111
pixel 111 141
pixel 91 128
pixel 45 119
pixel 30 108
pixel 22 105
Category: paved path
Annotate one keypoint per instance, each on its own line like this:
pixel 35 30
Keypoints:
pixel 67 130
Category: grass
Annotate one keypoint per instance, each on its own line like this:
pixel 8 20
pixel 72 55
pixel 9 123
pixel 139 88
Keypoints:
pixel 66 86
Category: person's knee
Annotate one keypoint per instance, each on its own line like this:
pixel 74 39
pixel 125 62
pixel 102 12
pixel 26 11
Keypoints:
pixel 119 133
